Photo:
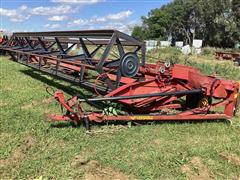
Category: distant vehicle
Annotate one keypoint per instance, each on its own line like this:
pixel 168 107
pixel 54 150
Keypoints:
pixel 3 39
pixel 235 57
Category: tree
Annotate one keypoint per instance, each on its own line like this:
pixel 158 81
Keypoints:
pixel 216 22
pixel 139 33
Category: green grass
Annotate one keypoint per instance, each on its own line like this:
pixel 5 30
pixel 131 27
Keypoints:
pixel 206 63
pixel 31 148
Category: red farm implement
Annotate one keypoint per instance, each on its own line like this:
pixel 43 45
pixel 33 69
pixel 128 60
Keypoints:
pixel 3 39
pixel 112 65
pixel 235 57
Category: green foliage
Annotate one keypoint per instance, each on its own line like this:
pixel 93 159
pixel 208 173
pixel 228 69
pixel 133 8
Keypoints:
pixel 110 111
pixel 170 54
pixel 216 22
pixel 208 51
pixel 138 32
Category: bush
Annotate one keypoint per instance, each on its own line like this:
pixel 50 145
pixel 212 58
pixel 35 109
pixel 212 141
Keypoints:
pixel 208 51
pixel 224 70
pixel 171 54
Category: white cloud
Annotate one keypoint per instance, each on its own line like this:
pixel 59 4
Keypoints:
pixel 105 19
pixel 52 10
pixel 15 15
pixel 23 13
pixel 81 2
pixel 125 27
pixel 23 7
pixel 57 18
pixel 119 16
pixel 82 22
pixel 52 26
pixel 55 13
pixel 119 21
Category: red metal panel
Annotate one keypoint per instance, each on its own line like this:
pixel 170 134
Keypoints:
pixel 98 118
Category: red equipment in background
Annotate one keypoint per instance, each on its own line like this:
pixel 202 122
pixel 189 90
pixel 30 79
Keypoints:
pixel 235 57
pixel 3 40
pixel 147 92
pixel 226 55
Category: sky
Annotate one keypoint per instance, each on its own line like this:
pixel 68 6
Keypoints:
pixel 51 15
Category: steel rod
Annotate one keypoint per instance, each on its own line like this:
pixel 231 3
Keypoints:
pixel 177 93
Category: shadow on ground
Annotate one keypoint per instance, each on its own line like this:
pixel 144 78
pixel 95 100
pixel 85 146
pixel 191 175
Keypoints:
pixel 58 86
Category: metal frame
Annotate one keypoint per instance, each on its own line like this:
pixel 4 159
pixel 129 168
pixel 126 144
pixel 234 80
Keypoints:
pixel 149 90
pixel 41 44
